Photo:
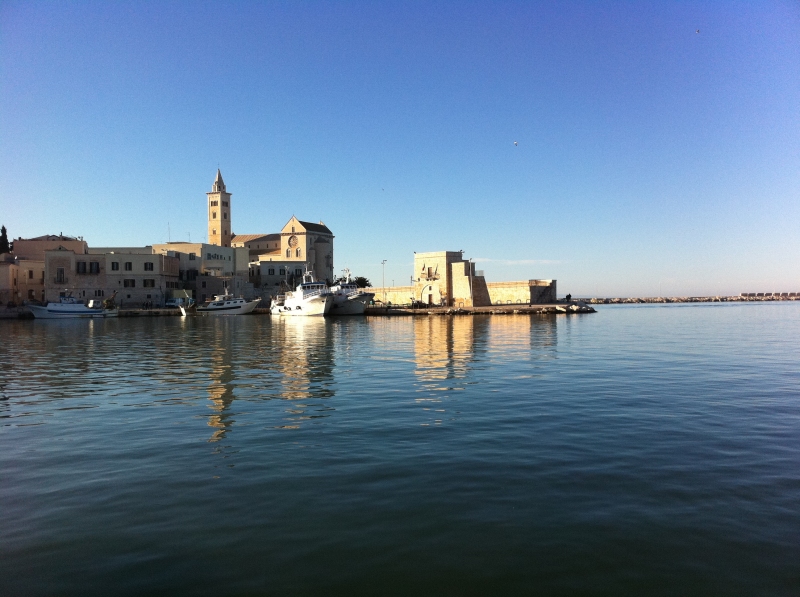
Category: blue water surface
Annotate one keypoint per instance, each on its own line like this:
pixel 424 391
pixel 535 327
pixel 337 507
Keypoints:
pixel 640 450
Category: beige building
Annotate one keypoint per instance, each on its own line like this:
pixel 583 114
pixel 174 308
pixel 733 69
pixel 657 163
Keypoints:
pixel 219 214
pixel 284 256
pixel 9 279
pixel 445 278
pixel 205 270
pixel 29 257
pixel 136 274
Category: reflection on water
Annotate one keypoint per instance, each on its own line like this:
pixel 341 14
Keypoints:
pixel 171 361
pixel 304 357
pixel 651 449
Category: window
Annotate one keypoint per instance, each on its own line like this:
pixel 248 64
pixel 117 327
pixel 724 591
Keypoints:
pixel 115 266
pixel 271 271
pixel 148 266
pixel 60 278
pixel 214 231
pixel 149 283
pixel 99 292
pixel 298 272
pixel 80 267
pixel 192 256
pixel 213 215
pixel 292 228
pixel 30 294
pixel 282 272
pixel 288 252
pixel 30 275
pixel 224 204
pixel 94 267
pixel 214 203
pixel 129 284
pixel 203 284
pixel 298 252
pixel 224 216
pixel 128 266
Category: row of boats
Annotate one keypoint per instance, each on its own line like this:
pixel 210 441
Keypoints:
pixel 309 299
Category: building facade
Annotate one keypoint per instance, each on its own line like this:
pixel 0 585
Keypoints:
pixel 446 279
pixel 134 275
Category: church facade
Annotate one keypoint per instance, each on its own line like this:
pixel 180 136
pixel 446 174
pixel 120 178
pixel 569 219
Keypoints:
pixel 274 257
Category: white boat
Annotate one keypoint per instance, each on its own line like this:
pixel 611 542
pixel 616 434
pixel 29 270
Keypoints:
pixel 70 308
pixel 226 304
pixel 308 299
pixel 349 299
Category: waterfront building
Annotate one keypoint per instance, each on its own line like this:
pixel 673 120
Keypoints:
pixel 445 278
pixel 29 259
pixel 9 279
pixel 283 256
pixel 205 270
pixel 136 274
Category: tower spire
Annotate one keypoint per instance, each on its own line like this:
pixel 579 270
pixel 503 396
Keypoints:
pixel 219 185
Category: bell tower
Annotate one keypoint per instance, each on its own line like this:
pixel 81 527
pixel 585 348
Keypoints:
pixel 219 214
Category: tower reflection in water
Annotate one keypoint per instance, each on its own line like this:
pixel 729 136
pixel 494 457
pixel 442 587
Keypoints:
pixel 444 348
pixel 451 352
pixel 220 385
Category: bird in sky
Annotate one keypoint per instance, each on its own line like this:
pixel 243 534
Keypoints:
pixel 697 31
pixel 515 142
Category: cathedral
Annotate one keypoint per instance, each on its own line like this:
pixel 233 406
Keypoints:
pixel 274 257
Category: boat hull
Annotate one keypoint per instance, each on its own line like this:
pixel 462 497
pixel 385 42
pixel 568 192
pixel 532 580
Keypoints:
pixel 58 311
pixel 350 305
pixel 229 310
pixel 316 306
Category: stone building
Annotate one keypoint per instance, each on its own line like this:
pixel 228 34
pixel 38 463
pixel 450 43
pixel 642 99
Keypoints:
pixel 445 278
pixel 9 279
pixel 136 274
pixel 205 270
pixel 29 258
pixel 284 256
pixel 219 213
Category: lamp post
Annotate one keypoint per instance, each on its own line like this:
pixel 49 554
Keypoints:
pixel 383 280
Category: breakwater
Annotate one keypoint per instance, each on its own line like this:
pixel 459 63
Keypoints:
pixel 742 298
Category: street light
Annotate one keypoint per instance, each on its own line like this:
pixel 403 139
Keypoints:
pixel 383 281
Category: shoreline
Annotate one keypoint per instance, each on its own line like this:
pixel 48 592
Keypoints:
pixel 576 305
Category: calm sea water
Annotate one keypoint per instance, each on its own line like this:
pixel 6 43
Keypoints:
pixel 649 450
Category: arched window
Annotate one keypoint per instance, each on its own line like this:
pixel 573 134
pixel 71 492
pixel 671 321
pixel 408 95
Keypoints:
pixel 298 253
pixel 288 252
pixel 214 231
pixel 213 215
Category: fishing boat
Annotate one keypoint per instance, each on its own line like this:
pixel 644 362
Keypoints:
pixel 348 298
pixel 69 307
pixel 226 304
pixel 310 298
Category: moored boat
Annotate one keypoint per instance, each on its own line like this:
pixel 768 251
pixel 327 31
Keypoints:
pixel 71 308
pixel 348 298
pixel 310 298
pixel 226 304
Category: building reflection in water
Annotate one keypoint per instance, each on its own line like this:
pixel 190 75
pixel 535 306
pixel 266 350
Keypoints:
pixel 444 348
pixel 305 361
pixel 449 352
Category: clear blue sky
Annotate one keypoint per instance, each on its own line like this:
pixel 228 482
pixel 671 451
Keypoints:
pixel 651 159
